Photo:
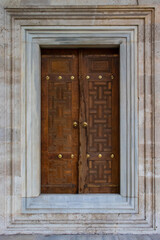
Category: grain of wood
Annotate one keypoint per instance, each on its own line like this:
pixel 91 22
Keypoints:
pixel 68 95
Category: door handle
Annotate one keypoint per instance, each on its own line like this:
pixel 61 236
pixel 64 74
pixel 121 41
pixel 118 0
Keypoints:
pixel 84 124
pixel 75 124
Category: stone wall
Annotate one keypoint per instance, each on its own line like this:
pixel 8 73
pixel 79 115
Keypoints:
pixel 28 24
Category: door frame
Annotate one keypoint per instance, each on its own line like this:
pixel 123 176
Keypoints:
pixel 126 39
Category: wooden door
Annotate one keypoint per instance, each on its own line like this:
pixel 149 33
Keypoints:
pixel 99 108
pixel 60 104
pixel 91 164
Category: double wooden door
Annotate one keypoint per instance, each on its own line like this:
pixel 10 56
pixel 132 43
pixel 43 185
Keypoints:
pixel 80 121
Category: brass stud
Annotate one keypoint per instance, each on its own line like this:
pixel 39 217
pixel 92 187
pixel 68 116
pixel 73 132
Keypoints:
pixel 112 77
pixel 47 77
pixel 72 77
pixel 87 77
pixel 100 77
pixel 88 155
pixel 72 155
pixel 99 155
pixel 112 155
pixel 60 155
pixel 60 77
pixel 85 124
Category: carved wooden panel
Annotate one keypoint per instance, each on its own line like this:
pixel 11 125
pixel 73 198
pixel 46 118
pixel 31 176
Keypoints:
pixel 99 116
pixel 97 73
pixel 59 111
pixel 99 172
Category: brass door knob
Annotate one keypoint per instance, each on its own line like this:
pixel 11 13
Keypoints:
pixel 75 124
pixel 112 155
pixel 60 155
pixel 85 124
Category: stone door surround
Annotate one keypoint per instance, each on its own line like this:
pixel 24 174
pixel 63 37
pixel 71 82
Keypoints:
pixel 102 37
pixel 131 30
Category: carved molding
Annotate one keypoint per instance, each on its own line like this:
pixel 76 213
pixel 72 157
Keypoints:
pixel 142 19
pixel 125 37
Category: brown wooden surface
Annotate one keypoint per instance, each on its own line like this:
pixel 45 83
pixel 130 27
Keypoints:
pixel 60 104
pixel 99 107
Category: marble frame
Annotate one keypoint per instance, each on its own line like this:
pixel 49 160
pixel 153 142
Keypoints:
pixel 16 220
pixel 34 39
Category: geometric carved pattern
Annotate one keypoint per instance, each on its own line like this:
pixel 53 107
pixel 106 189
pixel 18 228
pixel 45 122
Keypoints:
pixel 100 116
pixel 99 133
pixel 59 110
pixel 104 167
pixel 59 116
pixel 60 172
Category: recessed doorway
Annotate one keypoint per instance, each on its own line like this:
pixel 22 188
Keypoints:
pixel 80 135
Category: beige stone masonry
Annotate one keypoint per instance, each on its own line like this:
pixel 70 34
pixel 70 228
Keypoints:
pixel 26 24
